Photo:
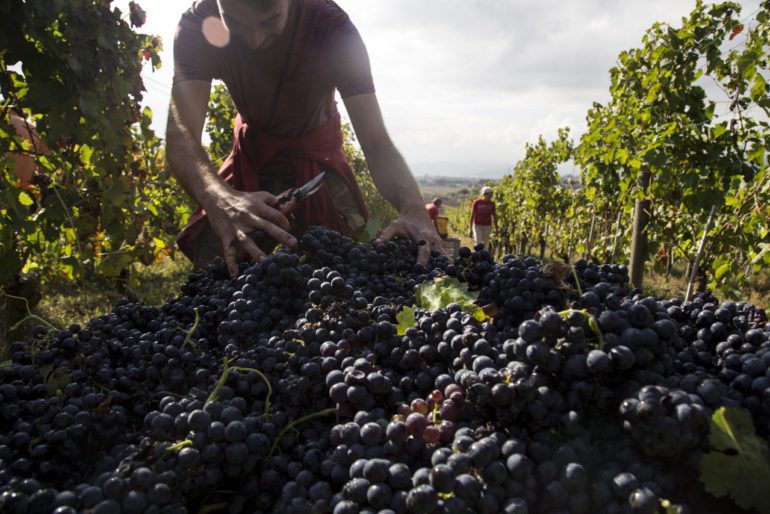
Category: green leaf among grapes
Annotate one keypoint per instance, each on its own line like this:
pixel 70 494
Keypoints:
pixel 57 380
pixel 369 232
pixel 405 319
pixel 738 464
pixel 447 290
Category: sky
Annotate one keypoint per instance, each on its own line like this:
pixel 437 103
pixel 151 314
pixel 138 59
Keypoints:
pixel 464 84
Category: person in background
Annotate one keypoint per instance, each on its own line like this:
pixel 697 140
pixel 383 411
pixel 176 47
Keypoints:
pixel 482 217
pixel 433 210
pixel 24 165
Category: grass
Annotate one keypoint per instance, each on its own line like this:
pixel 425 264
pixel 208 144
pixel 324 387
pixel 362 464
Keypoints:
pixel 65 303
pixel 675 286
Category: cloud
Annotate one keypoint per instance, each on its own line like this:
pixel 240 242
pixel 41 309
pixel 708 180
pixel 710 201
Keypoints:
pixel 473 80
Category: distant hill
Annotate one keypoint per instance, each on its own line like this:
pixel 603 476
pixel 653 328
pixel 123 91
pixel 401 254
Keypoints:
pixel 475 171
pixel 468 170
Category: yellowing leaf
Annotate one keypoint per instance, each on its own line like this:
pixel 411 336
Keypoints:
pixel 25 199
pixel 405 319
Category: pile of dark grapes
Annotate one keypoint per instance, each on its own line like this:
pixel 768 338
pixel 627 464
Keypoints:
pixel 292 389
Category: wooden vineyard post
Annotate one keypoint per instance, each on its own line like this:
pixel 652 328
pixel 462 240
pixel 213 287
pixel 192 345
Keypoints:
pixel 617 235
pixel 698 256
pixel 639 236
pixel 571 239
pixel 590 234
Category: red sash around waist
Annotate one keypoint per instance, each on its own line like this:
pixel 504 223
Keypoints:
pixel 307 154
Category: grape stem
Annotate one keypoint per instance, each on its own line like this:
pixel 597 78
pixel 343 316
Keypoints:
pixel 179 446
pixel 592 323
pixel 212 508
pixel 189 333
pixel 226 374
pixel 577 280
pixel 29 316
pixel 298 421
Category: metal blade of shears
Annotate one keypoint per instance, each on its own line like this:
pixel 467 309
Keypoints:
pixel 310 188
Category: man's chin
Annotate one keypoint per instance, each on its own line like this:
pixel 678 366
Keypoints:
pixel 265 44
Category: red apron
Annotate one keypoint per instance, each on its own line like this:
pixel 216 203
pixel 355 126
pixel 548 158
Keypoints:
pixel 322 147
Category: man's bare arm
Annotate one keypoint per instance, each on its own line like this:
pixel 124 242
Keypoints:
pixel 233 215
pixel 187 159
pixel 391 175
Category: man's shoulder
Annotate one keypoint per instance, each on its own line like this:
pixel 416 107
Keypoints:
pixel 326 8
pixel 200 10
pixel 323 16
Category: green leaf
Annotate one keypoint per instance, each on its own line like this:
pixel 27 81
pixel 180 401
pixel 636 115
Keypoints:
pixel 758 91
pixel 757 154
pixel 86 154
pixel 57 379
pixel 113 263
pixel 45 370
pixel 722 270
pixel 738 464
pixel 117 193
pixel 25 199
pixel 405 319
pixel 444 291
pixel 369 232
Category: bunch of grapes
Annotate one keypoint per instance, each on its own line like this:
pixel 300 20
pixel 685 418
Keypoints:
pixel 294 388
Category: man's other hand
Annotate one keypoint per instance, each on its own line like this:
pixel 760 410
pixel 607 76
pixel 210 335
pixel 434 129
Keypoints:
pixel 417 227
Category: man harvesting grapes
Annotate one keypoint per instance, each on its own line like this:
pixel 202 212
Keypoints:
pixel 282 61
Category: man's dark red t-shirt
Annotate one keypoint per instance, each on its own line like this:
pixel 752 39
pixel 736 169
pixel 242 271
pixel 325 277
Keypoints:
pixel 482 211
pixel 288 87
pixel 284 95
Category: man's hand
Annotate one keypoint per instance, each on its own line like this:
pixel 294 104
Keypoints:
pixel 235 215
pixel 392 176
pixel 417 227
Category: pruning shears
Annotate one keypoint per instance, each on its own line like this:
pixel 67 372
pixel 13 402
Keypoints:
pixel 287 203
pixel 291 198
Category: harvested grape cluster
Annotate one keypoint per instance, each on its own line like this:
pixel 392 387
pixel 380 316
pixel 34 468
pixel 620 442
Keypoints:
pixel 300 387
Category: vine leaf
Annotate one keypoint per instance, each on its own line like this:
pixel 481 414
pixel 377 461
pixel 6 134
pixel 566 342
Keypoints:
pixel 369 232
pixel 738 465
pixel 447 290
pixel 405 319
pixel 55 378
